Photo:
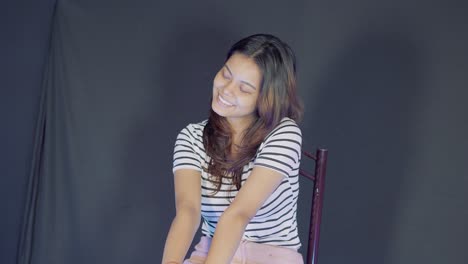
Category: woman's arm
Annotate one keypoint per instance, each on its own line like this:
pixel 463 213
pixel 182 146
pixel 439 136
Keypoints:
pixel 187 183
pixel 259 186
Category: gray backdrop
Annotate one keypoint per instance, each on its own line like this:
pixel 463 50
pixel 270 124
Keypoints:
pixel 384 84
pixel 24 36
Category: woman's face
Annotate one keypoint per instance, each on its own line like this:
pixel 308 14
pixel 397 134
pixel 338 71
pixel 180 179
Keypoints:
pixel 235 90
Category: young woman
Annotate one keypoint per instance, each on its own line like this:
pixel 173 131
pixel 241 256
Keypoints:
pixel 239 169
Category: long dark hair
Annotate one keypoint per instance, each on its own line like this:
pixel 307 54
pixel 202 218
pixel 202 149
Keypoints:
pixel 277 99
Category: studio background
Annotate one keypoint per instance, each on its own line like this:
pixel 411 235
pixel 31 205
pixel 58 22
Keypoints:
pixel 94 93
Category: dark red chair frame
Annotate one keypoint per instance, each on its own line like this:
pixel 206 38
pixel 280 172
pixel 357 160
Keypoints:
pixel 318 177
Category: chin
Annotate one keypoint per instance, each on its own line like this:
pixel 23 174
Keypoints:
pixel 213 107
pixel 220 113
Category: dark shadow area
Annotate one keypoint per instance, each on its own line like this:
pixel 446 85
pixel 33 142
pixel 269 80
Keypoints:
pixel 363 111
pixel 25 28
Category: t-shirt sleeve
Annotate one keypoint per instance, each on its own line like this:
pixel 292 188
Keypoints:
pixel 185 151
pixel 281 150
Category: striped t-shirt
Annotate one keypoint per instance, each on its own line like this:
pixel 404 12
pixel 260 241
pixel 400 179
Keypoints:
pixel 275 222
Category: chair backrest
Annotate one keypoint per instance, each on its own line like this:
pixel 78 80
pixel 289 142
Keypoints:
pixel 318 177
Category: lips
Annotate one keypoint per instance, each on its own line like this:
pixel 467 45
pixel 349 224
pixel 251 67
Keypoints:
pixel 224 102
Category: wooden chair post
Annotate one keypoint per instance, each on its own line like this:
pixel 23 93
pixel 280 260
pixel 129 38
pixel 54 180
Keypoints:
pixel 318 177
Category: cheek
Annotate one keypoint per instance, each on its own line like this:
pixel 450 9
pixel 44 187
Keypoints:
pixel 249 103
pixel 217 81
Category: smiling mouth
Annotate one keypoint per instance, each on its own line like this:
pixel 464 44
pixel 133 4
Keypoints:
pixel 224 102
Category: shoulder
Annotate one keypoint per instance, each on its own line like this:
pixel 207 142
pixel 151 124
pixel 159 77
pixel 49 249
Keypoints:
pixel 188 149
pixel 286 135
pixel 281 148
pixel 287 128
pixel 193 130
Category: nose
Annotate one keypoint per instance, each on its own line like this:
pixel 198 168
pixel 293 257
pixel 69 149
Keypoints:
pixel 228 89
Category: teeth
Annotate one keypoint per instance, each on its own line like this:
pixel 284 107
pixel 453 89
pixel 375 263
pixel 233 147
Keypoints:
pixel 224 101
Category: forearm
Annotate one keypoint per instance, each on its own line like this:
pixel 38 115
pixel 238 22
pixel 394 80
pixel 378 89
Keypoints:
pixel 228 234
pixel 180 236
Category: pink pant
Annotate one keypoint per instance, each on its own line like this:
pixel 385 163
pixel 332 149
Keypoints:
pixel 248 253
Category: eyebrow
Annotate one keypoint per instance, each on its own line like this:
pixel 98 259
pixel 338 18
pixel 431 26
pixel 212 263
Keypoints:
pixel 247 83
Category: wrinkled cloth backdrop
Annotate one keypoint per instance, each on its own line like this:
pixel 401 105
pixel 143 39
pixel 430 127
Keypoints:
pixel 384 84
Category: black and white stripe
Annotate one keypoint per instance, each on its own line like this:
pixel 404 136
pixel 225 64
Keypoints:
pixel 275 222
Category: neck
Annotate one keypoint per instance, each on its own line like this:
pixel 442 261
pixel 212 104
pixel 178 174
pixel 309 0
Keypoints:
pixel 238 128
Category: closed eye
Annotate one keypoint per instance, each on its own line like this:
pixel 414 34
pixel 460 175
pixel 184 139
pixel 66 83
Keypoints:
pixel 245 89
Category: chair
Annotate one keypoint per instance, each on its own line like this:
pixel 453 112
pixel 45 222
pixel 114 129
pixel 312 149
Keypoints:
pixel 318 177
